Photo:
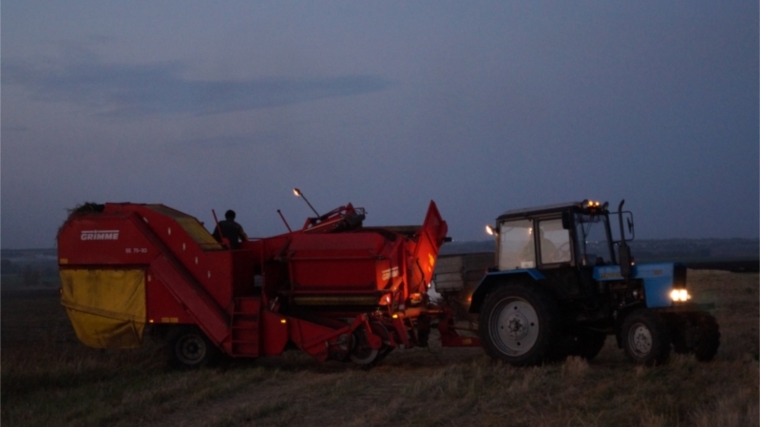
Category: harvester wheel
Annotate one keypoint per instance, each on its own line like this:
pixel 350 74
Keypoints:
pixel 645 338
pixel 380 330
pixel 518 324
pixel 189 348
pixel 363 354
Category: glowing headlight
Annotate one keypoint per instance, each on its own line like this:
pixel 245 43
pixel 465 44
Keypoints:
pixel 679 295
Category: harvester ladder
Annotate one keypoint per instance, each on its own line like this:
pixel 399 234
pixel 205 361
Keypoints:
pixel 245 327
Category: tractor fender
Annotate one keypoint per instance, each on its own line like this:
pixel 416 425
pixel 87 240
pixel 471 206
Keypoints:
pixel 495 279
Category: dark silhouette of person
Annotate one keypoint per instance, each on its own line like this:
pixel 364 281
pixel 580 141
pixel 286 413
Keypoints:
pixel 230 230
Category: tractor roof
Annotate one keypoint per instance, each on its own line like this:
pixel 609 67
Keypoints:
pixel 549 209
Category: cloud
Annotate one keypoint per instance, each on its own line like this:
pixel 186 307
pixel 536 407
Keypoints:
pixel 226 141
pixel 15 128
pixel 124 90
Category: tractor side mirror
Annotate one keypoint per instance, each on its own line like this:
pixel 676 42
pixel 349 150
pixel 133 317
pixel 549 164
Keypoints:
pixel 625 230
pixel 628 233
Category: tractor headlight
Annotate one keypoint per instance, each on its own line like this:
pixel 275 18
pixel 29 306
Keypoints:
pixel 679 295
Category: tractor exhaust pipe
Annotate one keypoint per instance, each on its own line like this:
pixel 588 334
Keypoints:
pixel 623 250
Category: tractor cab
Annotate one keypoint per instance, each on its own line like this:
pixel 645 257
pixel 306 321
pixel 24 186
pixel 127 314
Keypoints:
pixel 568 248
pixel 576 234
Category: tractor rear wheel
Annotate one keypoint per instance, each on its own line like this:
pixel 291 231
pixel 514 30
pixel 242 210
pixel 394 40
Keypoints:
pixel 518 324
pixel 645 338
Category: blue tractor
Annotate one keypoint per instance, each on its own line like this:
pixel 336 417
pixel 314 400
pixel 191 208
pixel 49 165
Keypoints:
pixel 563 283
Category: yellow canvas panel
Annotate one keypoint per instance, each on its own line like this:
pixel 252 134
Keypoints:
pixel 106 307
pixel 102 332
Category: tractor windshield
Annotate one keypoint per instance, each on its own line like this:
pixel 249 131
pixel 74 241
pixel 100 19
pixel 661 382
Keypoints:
pixel 593 239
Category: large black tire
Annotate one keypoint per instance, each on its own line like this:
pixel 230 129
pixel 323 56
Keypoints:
pixel 189 348
pixel 695 332
pixel 709 336
pixel 683 333
pixel 518 324
pixel 645 338
pixel 362 353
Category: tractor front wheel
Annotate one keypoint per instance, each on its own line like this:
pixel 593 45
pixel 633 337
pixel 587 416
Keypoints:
pixel 709 336
pixel 645 338
pixel 697 333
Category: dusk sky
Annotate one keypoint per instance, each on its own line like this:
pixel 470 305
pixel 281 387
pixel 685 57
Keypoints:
pixel 482 106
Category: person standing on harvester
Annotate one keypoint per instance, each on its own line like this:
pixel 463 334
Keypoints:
pixel 231 230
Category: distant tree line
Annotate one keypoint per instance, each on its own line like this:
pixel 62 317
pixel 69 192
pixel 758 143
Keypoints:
pixel 8 267
pixel 28 274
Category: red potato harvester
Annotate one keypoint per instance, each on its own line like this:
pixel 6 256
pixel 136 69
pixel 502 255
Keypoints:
pixel 334 289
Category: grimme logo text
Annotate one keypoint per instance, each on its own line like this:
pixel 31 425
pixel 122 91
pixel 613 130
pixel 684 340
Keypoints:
pixel 100 235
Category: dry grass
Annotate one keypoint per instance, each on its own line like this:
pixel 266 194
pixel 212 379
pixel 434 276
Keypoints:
pixel 50 379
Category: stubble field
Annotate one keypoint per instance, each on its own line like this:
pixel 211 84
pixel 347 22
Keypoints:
pixel 48 378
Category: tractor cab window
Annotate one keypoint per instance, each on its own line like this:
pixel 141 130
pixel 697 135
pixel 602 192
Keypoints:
pixel 553 242
pixel 516 249
pixel 593 240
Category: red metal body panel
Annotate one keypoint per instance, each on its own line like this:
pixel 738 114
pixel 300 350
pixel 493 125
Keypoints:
pixel 210 266
pixel 111 238
pixel 429 240
pixel 313 338
pixel 274 333
pixel 198 304
pixel 161 306
pixel 348 262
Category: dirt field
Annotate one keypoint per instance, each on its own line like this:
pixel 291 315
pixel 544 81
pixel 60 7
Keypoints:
pixel 48 378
